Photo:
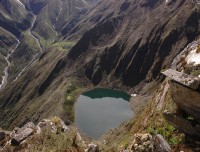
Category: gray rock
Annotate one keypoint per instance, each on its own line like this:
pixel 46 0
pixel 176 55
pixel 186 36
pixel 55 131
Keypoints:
pixel 45 124
pixel 64 127
pixel 27 125
pixel 182 78
pixel 160 144
pixel 18 138
pixel 92 148
pixel 59 126
pixel 186 99
pixel 142 143
pixel 146 137
pixel 16 129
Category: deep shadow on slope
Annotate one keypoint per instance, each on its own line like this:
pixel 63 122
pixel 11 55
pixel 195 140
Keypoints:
pixel 120 50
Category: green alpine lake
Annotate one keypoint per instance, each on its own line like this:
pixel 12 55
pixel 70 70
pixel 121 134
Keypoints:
pixel 99 110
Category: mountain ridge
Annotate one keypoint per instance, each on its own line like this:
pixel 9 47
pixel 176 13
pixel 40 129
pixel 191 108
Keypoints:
pixel 122 45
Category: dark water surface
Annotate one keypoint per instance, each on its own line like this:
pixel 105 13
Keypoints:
pixel 99 110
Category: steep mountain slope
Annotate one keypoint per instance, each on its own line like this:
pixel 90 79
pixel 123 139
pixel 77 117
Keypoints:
pixel 33 25
pixel 135 46
pixel 28 48
pixel 6 40
pixel 121 45
pixel 14 19
pixel 52 14
pixel 124 43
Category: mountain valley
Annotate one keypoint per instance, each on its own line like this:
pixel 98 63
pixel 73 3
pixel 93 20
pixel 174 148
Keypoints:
pixel 52 51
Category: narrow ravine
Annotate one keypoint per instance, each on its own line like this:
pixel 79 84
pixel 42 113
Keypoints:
pixel 39 46
pixel 56 19
pixel 36 40
pixel 32 35
pixel 7 58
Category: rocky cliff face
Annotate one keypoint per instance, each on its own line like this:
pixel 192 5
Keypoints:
pixel 185 92
pixel 134 43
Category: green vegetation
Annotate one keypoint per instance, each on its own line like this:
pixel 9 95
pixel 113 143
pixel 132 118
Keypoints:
pixel 168 132
pixel 192 70
pixel 71 93
pixel 45 43
pixel 30 41
pixel 195 72
pixel 63 46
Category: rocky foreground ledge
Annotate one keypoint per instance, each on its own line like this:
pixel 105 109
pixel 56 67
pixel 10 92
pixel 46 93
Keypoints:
pixel 147 143
pixel 46 133
pixel 19 136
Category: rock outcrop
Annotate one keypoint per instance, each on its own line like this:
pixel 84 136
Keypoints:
pixel 19 135
pixel 182 78
pixel 142 143
pixel 185 93
pixel 188 61
pixel 148 143
pixel 92 148
pixel 160 144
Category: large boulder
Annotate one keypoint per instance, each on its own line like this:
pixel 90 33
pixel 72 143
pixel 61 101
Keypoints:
pixel 20 134
pixel 27 125
pixel 182 78
pixel 160 144
pixel 18 138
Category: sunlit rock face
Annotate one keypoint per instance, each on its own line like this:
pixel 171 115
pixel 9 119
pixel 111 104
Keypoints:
pixel 188 61
pixel 193 58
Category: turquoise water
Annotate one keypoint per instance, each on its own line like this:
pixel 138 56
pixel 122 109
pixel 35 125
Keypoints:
pixel 99 110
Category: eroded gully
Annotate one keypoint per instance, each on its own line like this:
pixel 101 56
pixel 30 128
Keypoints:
pixel 36 40
pixel 7 58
